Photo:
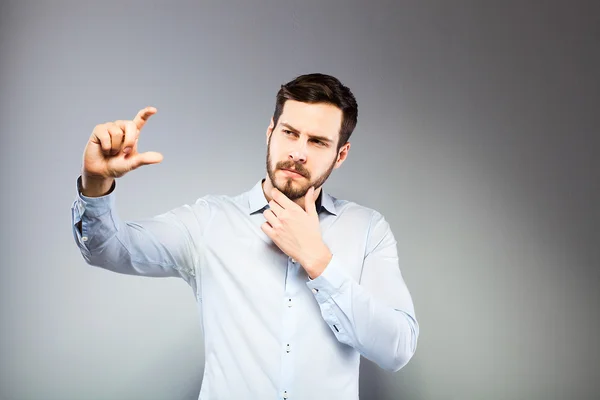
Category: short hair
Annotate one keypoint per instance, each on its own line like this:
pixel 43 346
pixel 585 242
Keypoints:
pixel 320 88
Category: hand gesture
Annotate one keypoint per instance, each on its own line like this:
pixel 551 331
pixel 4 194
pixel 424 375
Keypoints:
pixel 111 151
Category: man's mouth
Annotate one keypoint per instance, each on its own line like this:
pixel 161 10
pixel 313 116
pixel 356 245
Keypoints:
pixel 292 171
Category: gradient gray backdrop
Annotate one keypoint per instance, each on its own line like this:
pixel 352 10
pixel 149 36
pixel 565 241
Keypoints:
pixel 477 138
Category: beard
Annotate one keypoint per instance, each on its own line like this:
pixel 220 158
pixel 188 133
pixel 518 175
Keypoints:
pixel 288 188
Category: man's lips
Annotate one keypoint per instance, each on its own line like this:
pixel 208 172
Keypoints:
pixel 291 171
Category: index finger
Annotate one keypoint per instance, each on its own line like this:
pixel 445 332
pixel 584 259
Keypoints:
pixel 282 199
pixel 131 135
pixel 143 115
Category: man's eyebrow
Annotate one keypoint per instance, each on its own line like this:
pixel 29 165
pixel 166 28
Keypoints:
pixel 321 138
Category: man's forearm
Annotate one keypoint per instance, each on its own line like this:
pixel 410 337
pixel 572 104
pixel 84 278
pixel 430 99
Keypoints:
pixel 380 332
pixel 154 246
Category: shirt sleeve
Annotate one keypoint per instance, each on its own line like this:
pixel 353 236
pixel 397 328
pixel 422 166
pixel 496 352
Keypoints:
pixel 376 315
pixel 161 246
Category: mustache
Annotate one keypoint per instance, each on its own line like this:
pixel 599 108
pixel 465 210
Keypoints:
pixel 296 167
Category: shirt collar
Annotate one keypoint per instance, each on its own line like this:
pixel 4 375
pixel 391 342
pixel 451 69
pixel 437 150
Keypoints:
pixel 258 202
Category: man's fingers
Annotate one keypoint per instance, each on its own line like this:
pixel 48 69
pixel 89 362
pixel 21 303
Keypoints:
pixel 116 138
pixel 276 208
pixel 143 115
pixel 103 137
pixel 309 201
pixel 282 199
pixel 268 230
pixel 131 135
pixel 271 218
pixel 149 157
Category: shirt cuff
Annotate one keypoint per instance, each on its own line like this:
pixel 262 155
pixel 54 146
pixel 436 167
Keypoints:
pixel 330 282
pixel 95 206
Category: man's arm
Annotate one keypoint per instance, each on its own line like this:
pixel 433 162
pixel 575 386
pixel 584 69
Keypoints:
pixel 161 246
pixel 375 316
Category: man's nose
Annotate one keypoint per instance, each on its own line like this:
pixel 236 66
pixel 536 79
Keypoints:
pixel 298 153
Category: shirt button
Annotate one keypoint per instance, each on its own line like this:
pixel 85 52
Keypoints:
pixel 315 291
pixel 84 239
pixel 287 349
pixel 289 302
pixel 285 395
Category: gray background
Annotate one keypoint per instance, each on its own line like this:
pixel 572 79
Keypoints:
pixel 477 139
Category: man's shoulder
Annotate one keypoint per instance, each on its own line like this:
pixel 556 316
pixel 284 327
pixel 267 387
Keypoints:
pixel 222 201
pixel 217 199
pixel 353 209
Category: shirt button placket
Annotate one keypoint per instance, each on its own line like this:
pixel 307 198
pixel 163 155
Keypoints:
pixel 288 327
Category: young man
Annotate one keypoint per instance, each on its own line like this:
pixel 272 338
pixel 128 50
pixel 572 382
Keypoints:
pixel 294 285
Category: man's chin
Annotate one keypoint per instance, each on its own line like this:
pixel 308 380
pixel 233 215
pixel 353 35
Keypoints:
pixel 289 182
pixel 292 189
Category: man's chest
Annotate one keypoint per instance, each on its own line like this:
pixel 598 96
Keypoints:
pixel 236 248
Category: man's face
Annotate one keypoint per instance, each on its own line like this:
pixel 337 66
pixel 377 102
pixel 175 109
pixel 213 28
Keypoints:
pixel 302 148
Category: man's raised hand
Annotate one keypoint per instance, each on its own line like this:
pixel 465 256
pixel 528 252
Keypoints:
pixel 111 152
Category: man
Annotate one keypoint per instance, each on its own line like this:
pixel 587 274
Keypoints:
pixel 294 285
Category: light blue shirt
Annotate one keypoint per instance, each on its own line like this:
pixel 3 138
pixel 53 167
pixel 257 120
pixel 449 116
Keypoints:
pixel 270 331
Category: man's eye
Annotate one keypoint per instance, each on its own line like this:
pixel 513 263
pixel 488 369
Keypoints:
pixel 288 132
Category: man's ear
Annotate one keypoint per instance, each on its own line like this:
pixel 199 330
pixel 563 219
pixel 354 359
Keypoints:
pixel 270 129
pixel 342 155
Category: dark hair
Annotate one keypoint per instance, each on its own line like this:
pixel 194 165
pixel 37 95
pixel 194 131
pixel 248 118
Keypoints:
pixel 320 88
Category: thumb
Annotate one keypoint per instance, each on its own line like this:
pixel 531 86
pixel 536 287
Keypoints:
pixel 149 157
pixel 309 201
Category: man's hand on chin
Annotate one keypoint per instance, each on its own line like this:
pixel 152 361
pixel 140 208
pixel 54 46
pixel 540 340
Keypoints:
pixel 297 232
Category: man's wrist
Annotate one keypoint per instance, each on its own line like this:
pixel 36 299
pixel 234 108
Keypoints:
pixel 317 262
pixel 92 186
